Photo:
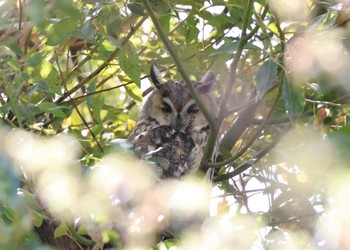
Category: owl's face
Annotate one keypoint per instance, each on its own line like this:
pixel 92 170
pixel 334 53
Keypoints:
pixel 171 103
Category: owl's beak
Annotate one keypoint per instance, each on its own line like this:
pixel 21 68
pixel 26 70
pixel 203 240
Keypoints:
pixel 178 123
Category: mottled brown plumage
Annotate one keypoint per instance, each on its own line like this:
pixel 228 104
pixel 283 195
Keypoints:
pixel 171 127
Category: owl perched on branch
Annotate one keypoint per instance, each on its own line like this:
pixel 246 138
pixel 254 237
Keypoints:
pixel 171 127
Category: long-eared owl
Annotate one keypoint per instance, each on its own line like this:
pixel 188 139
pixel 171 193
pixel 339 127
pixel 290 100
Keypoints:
pixel 171 127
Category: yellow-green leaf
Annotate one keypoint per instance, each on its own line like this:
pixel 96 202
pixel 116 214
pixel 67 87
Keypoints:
pixel 61 230
pixel 48 72
pixel 134 91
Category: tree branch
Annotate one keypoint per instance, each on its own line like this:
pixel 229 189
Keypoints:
pixel 104 64
pixel 238 170
pixel 63 80
pixel 242 41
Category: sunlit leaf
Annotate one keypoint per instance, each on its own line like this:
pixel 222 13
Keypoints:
pixel 112 40
pixel 134 91
pixel 273 27
pixel 61 30
pixel 110 236
pixel 61 230
pixel 49 73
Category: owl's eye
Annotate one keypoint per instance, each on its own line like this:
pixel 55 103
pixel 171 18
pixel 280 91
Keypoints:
pixel 193 109
pixel 166 108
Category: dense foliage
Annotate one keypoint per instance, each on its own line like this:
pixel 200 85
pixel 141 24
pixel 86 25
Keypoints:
pixel 73 75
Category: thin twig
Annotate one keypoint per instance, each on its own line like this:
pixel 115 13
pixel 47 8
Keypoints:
pixel 256 159
pixel 278 83
pixel 75 107
pixel 242 41
pixel 104 64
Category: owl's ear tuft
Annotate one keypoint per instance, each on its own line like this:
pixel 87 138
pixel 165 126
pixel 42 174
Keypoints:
pixel 156 77
pixel 207 82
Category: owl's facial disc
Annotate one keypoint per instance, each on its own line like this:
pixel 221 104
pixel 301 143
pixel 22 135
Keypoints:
pixel 173 115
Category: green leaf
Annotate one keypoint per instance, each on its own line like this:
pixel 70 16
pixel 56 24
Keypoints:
pixel 49 73
pixel 266 76
pixel 6 54
pixel 226 48
pixel 37 212
pixel 61 230
pixel 231 48
pixel 272 26
pixel 13 93
pixel 7 213
pixel 86 32
pixel 52 108
pixel 134 92
pixel 129 62
pixel 161 7
pixel 35 59
pixel 137 8
pixel 110 236
pixel 16 48
pixel 98 103
pixel 27 111
pixel 294 98
pixel 30 200
pixel 61 31
pixel 341 139
pixel 14 64
pixel 62 26
pixel 5 108
pixel 110 18
pixel 36 12
pixel 164 21
pixel 189 30
pixel 112 40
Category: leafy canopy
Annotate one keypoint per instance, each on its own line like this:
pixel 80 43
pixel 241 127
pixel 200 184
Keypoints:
pixel 79 69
